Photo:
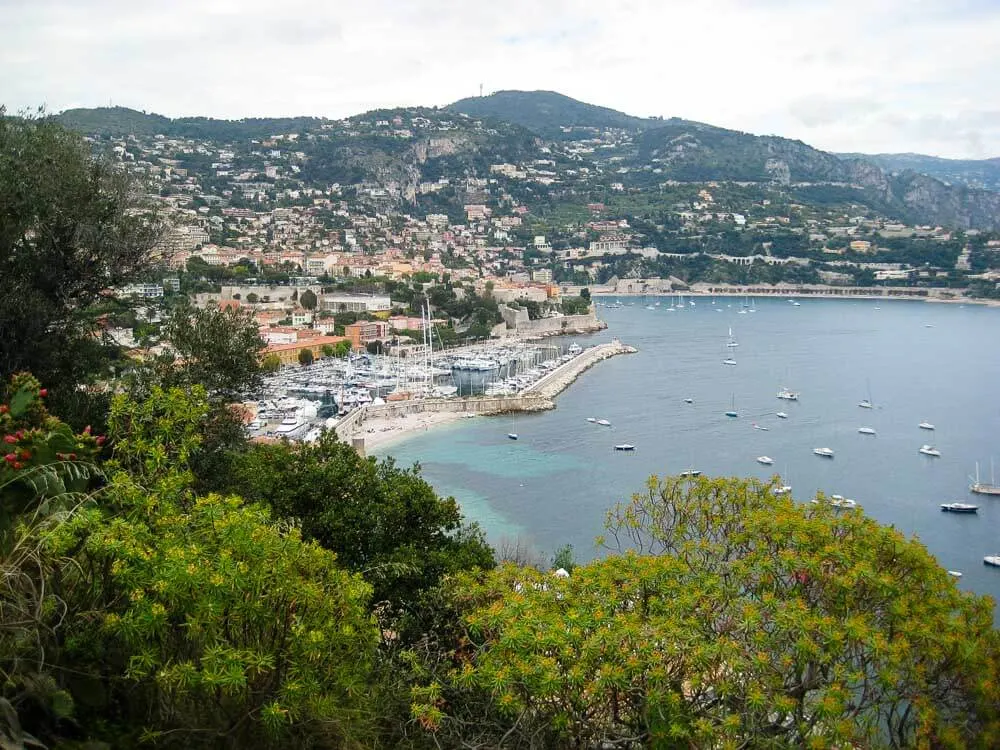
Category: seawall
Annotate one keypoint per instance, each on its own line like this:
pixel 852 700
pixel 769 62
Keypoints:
pixel 560 378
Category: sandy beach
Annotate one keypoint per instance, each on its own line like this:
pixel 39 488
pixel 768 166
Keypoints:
pixel 379 432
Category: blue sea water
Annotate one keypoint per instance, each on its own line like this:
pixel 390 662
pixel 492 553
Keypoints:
pixel 918 361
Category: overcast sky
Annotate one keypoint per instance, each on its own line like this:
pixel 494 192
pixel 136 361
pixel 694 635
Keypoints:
pixel 843 75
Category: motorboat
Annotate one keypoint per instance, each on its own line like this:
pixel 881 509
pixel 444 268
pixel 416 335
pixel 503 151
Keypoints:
pixel 955 573
pixel 766 460
pixel 729 361
pixel 604 423
pixel 781 415
pixel 689 401
pixel 867 430
pixel 512 435
pixel 865 404
pixel 625 447
pixel 824 452
pixel 783 489
pixel 574 349
pixel 928 450
pixel 925 426
pixel 993 560
pixel 690 473
pixel 839 501
pixel 959 507
pixel 591 420
pixel 788 395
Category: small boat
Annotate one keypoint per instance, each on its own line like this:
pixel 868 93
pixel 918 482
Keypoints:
pixel 732 340
pixel 732 409
pixel 928 325
pixel 839 501
pixel 928 450
pixel 993 560
pixel 759 427
pixel 925 426
pixel 604 423
pixel 796 304
pixel 955 573
pixel 865 404
pixel 781 415
pixel 823 452
pixel 512 435
pixel 959 507
pixel 729 361
pixel 867 430
pixel 690 473
pixel 591 419
pixel 788 395
pixel 766 460
pixel 783 489
pixel 625 447
pixel 689 401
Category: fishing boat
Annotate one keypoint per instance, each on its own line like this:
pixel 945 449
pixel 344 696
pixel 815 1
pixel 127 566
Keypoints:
pixel 925 426
pixel 625 447
pixel 823 452
pixel 866 430
pixel 781 415
pixel 766 460
pixel 982 488
pixel 929 450
pixel 959 507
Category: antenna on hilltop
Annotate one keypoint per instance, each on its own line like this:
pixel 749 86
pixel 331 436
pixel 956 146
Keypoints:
pixel 480 91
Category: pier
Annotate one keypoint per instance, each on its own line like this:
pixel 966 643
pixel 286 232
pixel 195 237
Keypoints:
pixel 560 378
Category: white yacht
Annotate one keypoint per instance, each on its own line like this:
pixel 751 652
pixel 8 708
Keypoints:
pixel 591 420
pixel 839 501
pixel 788 395
pixel 928 450
pixel 867 430
pixel 783 489
pixel 925 426
pixel 766 460
pixel 955 573
pixel 865 403
pixel 574 349
pixel 604 423
pixel 985 488
pixel 959 507
pixel 993 560
pixel 781 415
pixel 689 401
pixel 824 452
pixel 729 361
pixel 625 447
pixel 732 340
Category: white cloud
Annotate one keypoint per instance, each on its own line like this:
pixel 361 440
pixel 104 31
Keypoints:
pixel 845 75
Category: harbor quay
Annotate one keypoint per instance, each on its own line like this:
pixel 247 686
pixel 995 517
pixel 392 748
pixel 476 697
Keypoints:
pixel 370 426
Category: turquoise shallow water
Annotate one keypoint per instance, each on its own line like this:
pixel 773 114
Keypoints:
pixel 919 361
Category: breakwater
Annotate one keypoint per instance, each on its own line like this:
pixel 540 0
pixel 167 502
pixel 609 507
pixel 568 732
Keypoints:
pixel 560 378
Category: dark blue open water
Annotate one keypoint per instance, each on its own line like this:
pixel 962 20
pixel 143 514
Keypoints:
pixel 553 486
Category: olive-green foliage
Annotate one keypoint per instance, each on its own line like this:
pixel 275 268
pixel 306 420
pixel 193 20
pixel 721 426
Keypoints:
pixel 384 522
pixel 201 622
pixel 733 618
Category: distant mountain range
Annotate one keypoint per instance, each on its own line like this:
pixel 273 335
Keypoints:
pixel 912 187
pixel 977 173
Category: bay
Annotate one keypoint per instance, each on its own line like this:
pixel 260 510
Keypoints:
pixel 919 361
